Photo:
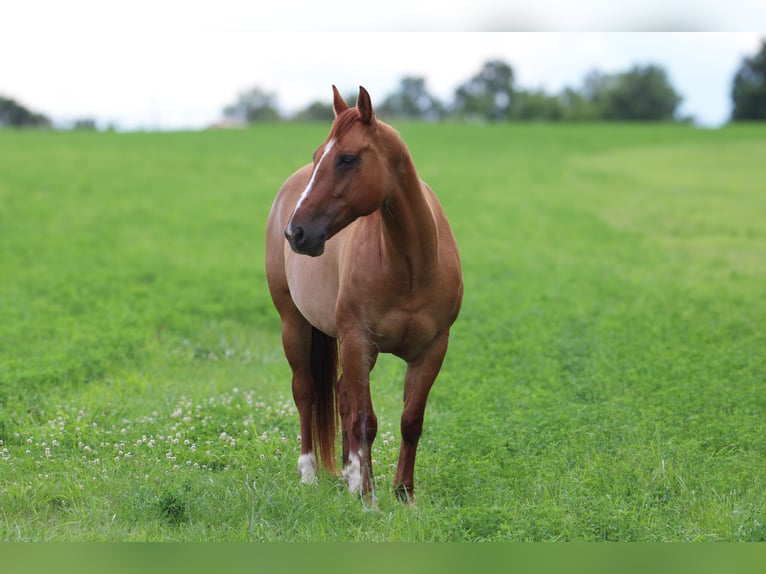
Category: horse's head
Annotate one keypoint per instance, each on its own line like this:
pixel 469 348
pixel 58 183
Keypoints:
pixel 354 173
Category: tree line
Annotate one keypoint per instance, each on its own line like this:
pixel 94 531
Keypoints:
pixel 492 94
pixel 641 93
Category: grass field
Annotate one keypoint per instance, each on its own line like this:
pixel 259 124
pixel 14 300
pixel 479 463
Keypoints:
pixel 605 379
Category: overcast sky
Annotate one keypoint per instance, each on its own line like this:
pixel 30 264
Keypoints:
pixel 173 64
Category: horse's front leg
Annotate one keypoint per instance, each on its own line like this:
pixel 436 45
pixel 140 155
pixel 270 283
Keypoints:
pixel 358 420
pixel 296 339
pixel 420 376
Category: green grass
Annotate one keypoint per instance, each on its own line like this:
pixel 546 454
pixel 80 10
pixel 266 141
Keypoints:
pixel 605 379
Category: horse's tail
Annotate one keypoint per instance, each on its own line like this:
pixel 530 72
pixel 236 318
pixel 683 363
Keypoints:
pixel 324 370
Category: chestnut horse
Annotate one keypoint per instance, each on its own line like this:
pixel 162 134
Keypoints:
pixel 359 255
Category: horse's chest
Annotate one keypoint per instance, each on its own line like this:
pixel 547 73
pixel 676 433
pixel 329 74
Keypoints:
pixel 399 323
pixel 404 332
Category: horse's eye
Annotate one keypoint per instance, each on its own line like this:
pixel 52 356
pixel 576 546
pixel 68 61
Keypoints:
pixel 347 160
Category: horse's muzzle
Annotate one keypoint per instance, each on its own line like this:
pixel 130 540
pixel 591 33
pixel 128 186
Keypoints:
pixel 305 243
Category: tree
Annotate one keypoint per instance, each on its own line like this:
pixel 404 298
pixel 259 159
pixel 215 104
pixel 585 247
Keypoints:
pixel 575 106
pixel 488 94
pixel 412 101
pixel 641 93
pixel 15 115
pixel 254 105
pixel 535 106
pixel 748 91
pixel 85 125
pixel 596 90
pixel 316 112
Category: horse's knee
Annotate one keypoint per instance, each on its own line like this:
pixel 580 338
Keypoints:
pixel 411 427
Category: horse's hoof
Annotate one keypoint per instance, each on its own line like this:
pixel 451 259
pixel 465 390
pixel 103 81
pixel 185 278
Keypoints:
pixel 405 495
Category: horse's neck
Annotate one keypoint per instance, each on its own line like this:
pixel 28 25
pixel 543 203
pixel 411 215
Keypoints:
pixel 409 225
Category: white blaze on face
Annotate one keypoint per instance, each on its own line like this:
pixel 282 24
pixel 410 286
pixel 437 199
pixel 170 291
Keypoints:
pixel 307 465
pixel 352 473
pixel 310 184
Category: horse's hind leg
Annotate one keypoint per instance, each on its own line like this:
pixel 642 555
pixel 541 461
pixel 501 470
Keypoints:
pixel 296 339
pixel 419 378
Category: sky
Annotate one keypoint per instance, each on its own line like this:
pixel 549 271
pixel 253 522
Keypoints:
pixel 168 64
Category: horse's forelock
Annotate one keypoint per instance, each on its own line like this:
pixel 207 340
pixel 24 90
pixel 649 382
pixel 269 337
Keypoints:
pixel 344 121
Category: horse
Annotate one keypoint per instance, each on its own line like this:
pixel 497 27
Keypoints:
pixel 360 260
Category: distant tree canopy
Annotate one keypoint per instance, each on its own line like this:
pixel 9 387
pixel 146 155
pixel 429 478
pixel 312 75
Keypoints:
pixel 488 94
pixel 412 100
pixel 316 112
pixel 748 91
pixel 643 93
pixel 15 115
pixel 535 105
pixel 254 105
pixel 85 124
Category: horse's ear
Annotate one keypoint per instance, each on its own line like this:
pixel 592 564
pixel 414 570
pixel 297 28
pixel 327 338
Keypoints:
pixel 364 105
pixel 338 103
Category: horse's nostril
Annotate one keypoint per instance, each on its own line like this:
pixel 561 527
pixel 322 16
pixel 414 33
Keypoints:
pixel 294 234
